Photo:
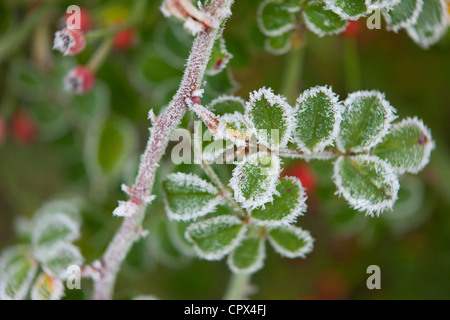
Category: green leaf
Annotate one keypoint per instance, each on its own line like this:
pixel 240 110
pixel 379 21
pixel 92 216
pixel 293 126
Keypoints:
pixel 431 24
pixel 55 207
pixel 271 116
pixel 291 241
pixel 222 83
pixel 25 81
pixel 248 257
pixel 189 197
pixel 286 206
pixel 322 21
pixel 318 114
pixel 216 237
pixel 381 4
pixel 56 222
pixel 219 58
pixel 50 230
pixel 292 5
pixel 366 120
pixel 92 106
pixel 274 19
pixel 52 121
pixel 279 45
pixel 254 179
pixel 162 246
pixel 107 152
pixel 407 146
pixel 171 42
pixel 47 288
pixel 177 232
pixel 347 9
pixel 403 14
pixel 227 104
pixel 369 184
pixel 17 270
pixel 57 259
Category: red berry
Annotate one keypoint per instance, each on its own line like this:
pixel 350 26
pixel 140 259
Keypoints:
pixel 305 174
pixel 69 41
pixel 85 20
pixel 125 39
pixel 79 80
pixel 353 30
pixel 2 130
pixel 23 128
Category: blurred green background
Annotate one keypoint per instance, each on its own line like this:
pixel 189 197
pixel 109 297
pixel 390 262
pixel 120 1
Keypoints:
pixel 84 147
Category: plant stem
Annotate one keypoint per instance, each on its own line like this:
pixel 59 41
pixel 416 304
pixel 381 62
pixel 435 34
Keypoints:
pixel 293 73
pixel 100 54
pixel 224 190
pixel 16 36
pixel 296 154
pixel 237 287
pixel 41 44
pixel 351 65
pixel 157 143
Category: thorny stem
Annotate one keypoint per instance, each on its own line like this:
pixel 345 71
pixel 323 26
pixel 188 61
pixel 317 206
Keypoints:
pixel 157 143
pixel 238 286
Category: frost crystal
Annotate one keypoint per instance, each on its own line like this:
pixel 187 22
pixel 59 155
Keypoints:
pixel 126 209
pixel 195 20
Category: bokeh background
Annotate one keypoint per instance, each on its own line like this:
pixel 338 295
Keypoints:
pixel 54 145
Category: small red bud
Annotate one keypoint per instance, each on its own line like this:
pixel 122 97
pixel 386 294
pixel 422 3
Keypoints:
pixel 2 130
pixel 125 39
pixel 85 20
pixel 79 80
pixel 353 30
pixel 23 128
pixel 305 174
pixel 69 41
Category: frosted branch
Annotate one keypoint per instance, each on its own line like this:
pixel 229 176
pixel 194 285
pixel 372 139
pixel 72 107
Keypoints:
pixel 156 146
